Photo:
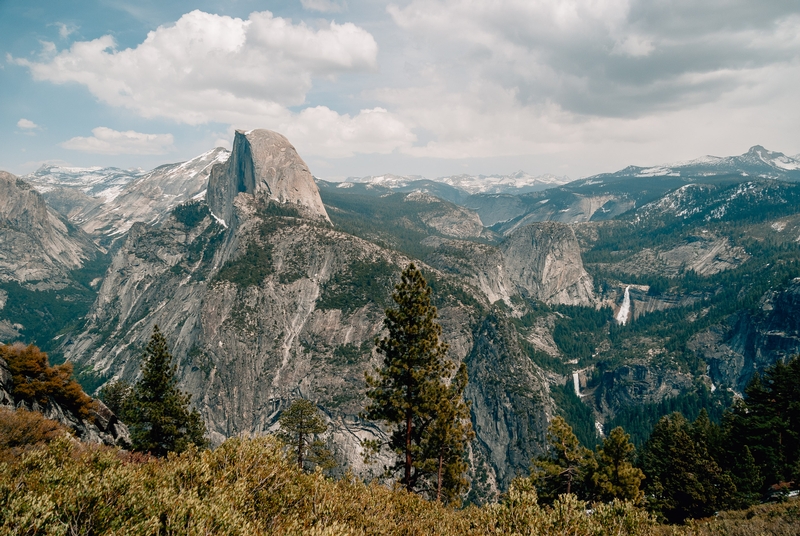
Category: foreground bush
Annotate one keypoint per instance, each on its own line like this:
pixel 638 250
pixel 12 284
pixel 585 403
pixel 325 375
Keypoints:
pixel 250 487
pixel 781 519
pixel 20 430
pixel 34 380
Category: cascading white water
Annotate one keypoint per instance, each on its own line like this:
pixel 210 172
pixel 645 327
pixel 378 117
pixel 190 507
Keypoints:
pixel 576 381
pixel 624 311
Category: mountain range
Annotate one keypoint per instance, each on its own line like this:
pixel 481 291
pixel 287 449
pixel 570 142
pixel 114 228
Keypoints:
pixel 607 300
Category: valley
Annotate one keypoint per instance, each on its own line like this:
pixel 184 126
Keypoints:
pixel 610 300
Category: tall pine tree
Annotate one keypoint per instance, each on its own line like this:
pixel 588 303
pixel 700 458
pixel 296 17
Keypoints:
pixel 408 389
pixel 445 442
pixel 156 411
pixel 683 479
pixel 768 421
pixel 615 476
pixel 566 468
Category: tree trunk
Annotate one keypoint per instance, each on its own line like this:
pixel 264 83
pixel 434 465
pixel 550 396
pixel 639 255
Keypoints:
pixel 300 450
pixel 408 452
pixel 439 479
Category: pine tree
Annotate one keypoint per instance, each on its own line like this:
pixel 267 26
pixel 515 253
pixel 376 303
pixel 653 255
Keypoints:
pixel 156 411
pixel 446 439
pixel 566 468
pixel 682 479
pixel 300 422
pixel 115 395
pixel 407 389
pixel 768 421
pixel 615 476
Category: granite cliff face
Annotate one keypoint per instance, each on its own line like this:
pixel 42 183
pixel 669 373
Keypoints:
pixel 539 262
pixel 511 403
pixel 544 259
pixel 264 164
pixel 37 247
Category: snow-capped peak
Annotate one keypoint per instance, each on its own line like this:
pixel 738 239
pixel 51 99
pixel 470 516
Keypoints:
pixel 517 182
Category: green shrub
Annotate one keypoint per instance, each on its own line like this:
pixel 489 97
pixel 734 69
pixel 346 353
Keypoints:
pixel 252 487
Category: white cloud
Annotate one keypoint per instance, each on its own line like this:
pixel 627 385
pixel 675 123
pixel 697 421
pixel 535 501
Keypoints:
pixel 588 84
pixel 609 58
pixel 212 68
pixel 27 124
pixel 325 6
pixel 108 141
pixel 65 30
pixel 247 73
pixel 323 132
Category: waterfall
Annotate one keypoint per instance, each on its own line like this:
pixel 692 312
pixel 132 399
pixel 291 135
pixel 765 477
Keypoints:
pixel 576 381
pixel 624 311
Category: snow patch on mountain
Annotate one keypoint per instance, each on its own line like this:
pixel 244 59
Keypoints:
pixel 105 183
pixel 519 182
pixel 106 202
pixel 757 162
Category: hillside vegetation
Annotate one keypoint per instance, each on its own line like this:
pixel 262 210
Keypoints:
pixel 252 487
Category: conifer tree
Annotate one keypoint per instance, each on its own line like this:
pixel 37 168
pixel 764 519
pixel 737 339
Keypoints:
pixel 300 422
pixel 566 468
pixel 115 395
pixel 615 476
pixel 682 479
pixel 445 442
pixel 407 390
pixel 156 411
pixel 768 421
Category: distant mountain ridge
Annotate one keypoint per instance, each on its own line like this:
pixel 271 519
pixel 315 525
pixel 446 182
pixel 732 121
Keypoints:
pixel 105 202
pixel 515 183
pixel 758 162
pixel 100 182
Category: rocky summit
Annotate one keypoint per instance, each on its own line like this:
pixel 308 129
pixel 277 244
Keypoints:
pixel 265 165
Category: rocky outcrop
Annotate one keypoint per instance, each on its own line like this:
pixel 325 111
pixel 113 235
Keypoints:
pixel 448 219
pixel 264 164
pixel 638 383
pixel 102 427
pixel 544 261
pixel 36 244
pixel 705 255
pixel 539 262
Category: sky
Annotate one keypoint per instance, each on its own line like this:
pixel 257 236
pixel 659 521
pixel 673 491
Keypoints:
pixel 415 87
